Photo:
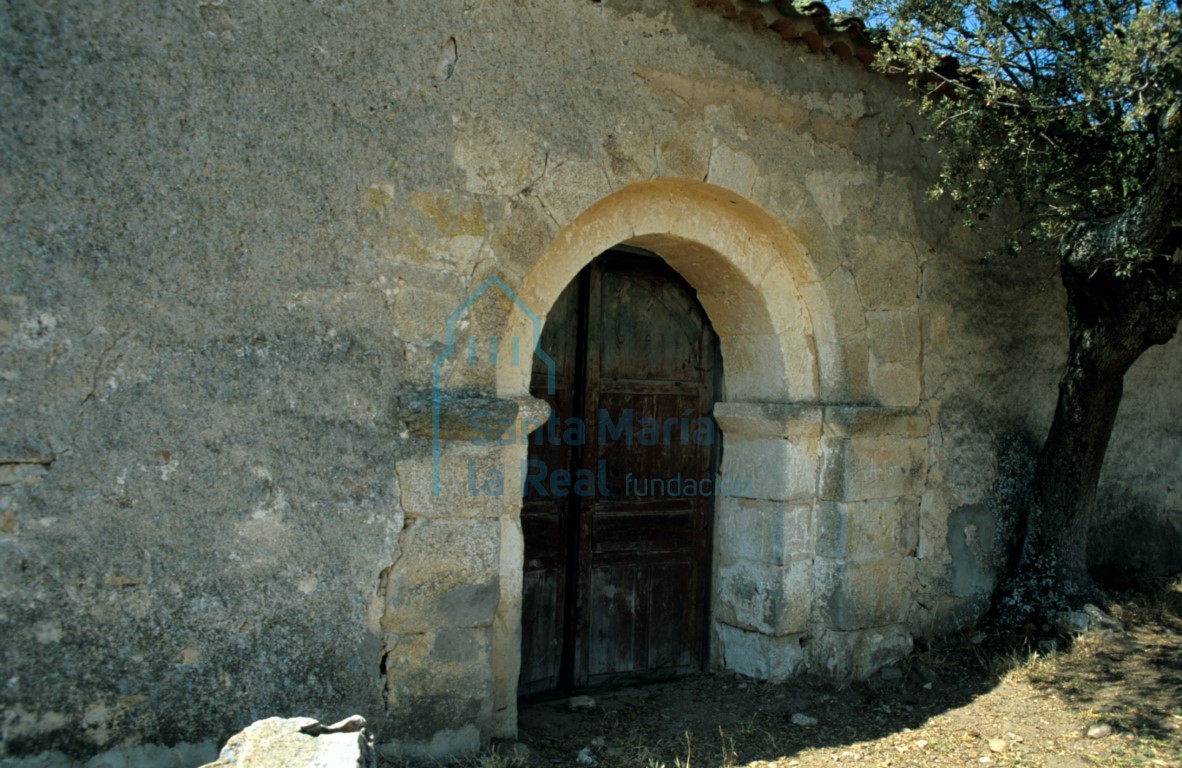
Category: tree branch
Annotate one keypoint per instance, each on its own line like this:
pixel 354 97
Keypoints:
pixel 1144 228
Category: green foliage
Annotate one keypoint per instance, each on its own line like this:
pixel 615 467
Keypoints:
pixel 1060 106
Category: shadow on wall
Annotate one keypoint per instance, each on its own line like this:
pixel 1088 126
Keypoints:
pixel 1133 544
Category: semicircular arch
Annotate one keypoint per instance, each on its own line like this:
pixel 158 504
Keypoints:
pixel 752 275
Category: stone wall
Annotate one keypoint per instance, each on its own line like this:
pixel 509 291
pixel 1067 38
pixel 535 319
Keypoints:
pixel 237 244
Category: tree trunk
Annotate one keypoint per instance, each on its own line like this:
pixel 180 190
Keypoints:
pixel 1068 469
pixel 1123 279
pixel 1113 319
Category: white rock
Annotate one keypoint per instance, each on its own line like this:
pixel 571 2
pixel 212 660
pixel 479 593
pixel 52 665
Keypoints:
pixel 580 704
pixel 803 720
pixel 298 742
pixel 1071 622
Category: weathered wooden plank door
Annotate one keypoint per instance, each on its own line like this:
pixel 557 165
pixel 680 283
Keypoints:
pixel 546 519
pixel 616 568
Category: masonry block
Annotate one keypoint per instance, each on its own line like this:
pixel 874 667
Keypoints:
pixel 759 358
pixel 760 597
pixel 869 593
pixel 759 656
pixel 867 530
pixel 762 531
pixel 463 481
pixel 771 468
pixel 894 335
pixel 887 272
pixel 447 576
pixel 896 384
pixel 441 674
pixel 860 653
pixel 884 468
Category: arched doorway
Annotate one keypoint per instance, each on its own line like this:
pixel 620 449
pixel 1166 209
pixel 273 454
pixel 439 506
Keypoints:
pixel 619 484
pixel 776 327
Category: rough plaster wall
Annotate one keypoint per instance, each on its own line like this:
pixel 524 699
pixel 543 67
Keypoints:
pixel 994 341
pixel 232 234
pixel 195 332
pixel 1138 525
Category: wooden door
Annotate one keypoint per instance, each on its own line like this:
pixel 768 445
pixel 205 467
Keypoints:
pixel 617 555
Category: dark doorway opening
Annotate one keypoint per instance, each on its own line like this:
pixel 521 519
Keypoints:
pixel 618 494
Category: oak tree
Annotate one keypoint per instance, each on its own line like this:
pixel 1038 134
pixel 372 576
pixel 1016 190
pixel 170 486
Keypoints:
pixel 1070 110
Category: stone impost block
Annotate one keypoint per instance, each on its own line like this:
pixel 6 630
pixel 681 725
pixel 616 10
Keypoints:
pixel 875 421
pixel 771 532
pixel 867 530
pixel 474 468
pixel 759 597
pixel 769 420
pixel 759 656
pixel 447 576
pixel 770 468
pixel 477 419
pixel 871 593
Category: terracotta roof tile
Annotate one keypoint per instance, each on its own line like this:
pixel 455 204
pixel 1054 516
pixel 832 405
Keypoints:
pixel 811 25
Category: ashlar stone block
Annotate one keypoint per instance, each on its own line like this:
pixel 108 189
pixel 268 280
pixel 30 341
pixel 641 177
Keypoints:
pixel 871 593
pixel 760 597
pixel 760 656
pixel 447 576
pixel 860 653
pixel 771 532
pixel 867 530
pixel 896 384
pixel 445 660
pixel 887 272
pixel 860 469
pixel 463 481
pixel 759 359
pixel 771 468
pixel 894 335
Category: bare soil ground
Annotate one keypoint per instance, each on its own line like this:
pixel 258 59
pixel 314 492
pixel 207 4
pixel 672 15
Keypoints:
pixel 981 699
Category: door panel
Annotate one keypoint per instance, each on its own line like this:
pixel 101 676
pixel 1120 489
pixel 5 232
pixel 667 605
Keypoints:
pixel 631 575
pixel 544 520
